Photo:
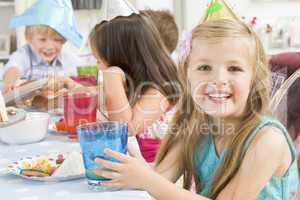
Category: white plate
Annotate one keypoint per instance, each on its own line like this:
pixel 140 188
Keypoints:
pixel 16 168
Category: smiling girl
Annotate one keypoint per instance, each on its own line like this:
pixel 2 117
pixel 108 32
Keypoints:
pixel 224 139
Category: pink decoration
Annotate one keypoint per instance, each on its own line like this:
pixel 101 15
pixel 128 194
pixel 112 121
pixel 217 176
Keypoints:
pixel 185 46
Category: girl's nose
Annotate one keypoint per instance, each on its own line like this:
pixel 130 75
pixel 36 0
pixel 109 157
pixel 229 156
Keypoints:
pixel 221 78
pixel 219 86
pixel 218 83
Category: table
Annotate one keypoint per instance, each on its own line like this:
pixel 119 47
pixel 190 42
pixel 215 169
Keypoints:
pixel 16 188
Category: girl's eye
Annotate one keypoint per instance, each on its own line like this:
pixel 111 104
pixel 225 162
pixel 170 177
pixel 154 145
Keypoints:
pixel 235 69
pixel 42 39
pixel 204 68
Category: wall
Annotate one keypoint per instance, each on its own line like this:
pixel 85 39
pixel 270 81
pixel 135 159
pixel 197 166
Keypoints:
pixel 85 20
pixel 154 4
pixel 20 7
pixel 270 8
pixel 188 12
pixel 5 14
pixel 248 8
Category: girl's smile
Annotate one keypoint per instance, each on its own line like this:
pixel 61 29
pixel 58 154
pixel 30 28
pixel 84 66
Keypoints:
pixel 217 96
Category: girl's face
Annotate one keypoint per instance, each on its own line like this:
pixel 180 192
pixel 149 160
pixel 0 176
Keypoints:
pixel 46 46
pixel 220 76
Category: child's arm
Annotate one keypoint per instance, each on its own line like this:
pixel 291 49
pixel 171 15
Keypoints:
pixel 56 83
pixel 134 173
pixel 268 155
pixel 14 68
pixel 149 107
pixel 11 76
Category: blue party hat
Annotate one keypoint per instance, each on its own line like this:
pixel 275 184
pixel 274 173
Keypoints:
pixel 57 14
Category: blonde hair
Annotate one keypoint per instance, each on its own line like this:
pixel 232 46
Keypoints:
pixel 190 121
pixel 41 29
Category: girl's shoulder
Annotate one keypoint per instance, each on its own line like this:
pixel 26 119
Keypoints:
pixel 270 137
pixel 114 71
pixel 273 143
pixel 268 127
pixel 270 132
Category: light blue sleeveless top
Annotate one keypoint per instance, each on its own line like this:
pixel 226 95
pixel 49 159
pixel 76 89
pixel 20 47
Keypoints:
pixel 278 188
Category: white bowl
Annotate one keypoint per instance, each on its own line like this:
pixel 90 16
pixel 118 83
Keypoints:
pixel 33 129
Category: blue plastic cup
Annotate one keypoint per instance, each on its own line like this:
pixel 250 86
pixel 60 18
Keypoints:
pixel 94 138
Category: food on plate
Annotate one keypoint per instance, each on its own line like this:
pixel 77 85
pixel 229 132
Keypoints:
pixel 61 126
pixel 30 172
pixel 58 166
pixel 48 100
pixel 73 165
pixel 43 166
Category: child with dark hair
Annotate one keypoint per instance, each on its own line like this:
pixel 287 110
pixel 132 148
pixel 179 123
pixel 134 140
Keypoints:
pixel 139 78
pixel 166 26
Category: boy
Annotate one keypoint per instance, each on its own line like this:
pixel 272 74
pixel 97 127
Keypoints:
pixel 166 26
pixel 49 24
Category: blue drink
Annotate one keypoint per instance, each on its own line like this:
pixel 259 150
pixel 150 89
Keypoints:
pixel 94 138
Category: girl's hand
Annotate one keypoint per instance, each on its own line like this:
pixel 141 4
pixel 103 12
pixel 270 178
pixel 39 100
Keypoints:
pixel 131 173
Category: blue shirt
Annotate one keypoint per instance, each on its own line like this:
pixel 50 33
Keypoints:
pixel 33 67
pixel 278 188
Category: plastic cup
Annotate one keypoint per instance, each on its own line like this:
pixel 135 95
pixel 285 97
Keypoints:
pixel 94 138
pixel 87 71
pixel 79 108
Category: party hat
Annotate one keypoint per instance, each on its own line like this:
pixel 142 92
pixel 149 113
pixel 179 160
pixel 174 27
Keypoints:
pixel 219 9
pixel 115 8
pixel 57 14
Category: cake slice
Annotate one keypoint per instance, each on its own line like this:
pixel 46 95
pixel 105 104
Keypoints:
pixel 71 166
